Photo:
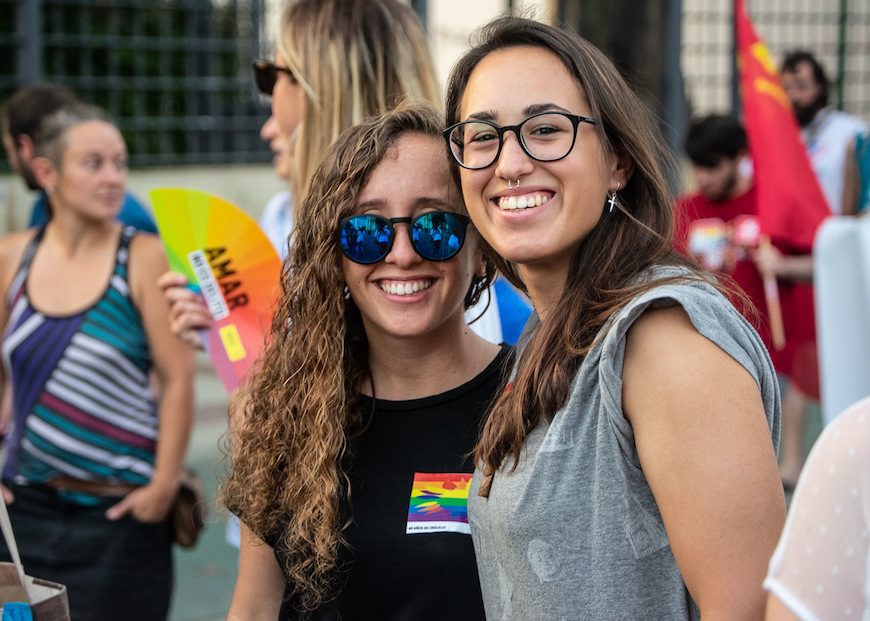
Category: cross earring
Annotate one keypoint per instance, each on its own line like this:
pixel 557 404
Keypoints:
pixel 611 202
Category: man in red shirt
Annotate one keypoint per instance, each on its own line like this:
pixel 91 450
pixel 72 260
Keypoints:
pixel 725 198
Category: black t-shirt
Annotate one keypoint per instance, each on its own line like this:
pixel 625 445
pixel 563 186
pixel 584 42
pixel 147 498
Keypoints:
pixel 408 448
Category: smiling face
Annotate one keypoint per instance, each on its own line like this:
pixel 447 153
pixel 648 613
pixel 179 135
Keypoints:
pixel 92 175
pixel 542 222
pixel 405 295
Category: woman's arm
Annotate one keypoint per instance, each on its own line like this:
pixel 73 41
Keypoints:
pixel 174 364
pixel 706 451
pixel 260 583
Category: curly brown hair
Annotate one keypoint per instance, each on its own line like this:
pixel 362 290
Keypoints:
pixel 290 448
pixel 607 269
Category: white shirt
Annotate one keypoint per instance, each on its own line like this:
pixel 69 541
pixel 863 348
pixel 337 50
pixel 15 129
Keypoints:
pixel 827 140
pixel 821 567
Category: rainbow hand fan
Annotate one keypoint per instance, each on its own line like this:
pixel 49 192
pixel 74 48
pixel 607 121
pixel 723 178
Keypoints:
pixel 228 260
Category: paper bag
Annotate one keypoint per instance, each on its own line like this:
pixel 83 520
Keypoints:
pixel 49 599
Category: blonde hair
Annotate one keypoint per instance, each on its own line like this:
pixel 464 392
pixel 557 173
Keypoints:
pixel 354 60
pixel 289 481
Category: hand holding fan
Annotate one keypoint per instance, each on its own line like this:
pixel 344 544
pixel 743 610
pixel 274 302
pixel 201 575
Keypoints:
pixel 229 260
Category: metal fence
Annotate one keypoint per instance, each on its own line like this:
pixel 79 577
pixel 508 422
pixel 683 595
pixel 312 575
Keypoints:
pixel 176 74
pixel 836 31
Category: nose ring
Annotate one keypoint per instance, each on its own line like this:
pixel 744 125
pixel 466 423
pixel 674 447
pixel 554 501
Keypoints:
pixel 513 187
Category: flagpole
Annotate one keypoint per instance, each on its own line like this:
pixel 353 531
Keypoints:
pixel 771 297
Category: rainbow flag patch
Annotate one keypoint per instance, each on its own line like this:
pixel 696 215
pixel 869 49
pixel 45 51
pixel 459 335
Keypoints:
pixel 439 503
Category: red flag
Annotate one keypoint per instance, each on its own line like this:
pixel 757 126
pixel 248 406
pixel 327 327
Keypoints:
pixel 791 205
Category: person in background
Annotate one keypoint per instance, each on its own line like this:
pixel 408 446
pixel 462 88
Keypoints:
pixel 826 132
pixel 338 63
pixel 20 117
pixel 726 193
pixel 629 472
pixel 93 459
pixel 821 567
pixel 350 457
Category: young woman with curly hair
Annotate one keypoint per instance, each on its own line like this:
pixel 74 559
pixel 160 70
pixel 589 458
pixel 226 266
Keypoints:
pixel 630 471
pixel 351 453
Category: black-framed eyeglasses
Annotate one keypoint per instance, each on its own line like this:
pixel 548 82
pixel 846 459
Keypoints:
pixel 546 137
pixel 435 235
pixel 266 75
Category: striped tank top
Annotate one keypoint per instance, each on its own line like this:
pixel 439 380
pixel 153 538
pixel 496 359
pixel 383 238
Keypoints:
pixel 82 402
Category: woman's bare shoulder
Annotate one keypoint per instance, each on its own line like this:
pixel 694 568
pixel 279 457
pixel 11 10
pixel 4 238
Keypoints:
pixel 12 246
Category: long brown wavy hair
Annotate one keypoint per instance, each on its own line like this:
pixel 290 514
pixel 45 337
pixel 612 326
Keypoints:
pixel 606 270
pixel 290 448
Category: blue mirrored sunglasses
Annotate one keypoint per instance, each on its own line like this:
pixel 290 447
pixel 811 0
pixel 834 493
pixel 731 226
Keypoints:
pixel 435 236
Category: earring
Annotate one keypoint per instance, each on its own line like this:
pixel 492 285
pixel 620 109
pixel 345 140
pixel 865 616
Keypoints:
pixel 611 202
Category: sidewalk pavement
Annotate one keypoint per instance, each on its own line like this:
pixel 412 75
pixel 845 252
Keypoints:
pixel 205 576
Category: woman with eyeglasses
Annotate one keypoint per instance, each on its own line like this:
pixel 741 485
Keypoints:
pixel 350 460
pixel 630 470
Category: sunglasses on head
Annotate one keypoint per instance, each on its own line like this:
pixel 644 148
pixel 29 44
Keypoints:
pixel 435 236
pixel 266 75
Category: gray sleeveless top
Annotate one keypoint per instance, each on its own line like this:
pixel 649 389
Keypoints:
pixel 574 532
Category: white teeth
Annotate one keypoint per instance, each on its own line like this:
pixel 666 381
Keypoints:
pixel 511 203
pixel 405 288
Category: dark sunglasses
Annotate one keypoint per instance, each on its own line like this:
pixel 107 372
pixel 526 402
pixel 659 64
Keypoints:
pixel 266 75
pixel 435 236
